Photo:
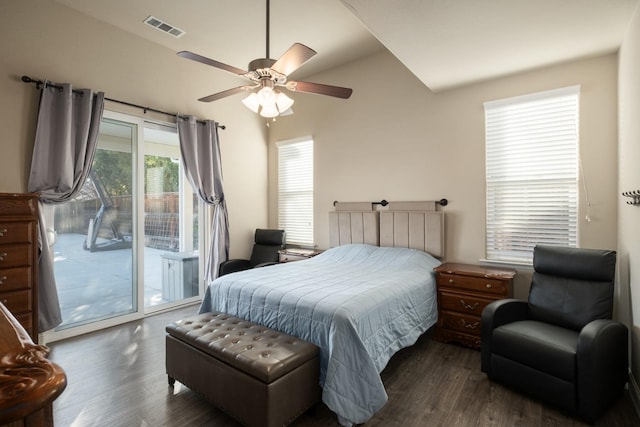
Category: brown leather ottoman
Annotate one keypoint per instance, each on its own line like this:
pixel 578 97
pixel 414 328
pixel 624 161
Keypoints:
pixel 259 376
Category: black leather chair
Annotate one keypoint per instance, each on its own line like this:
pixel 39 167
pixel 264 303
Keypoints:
pixel 561 346
pixel 267 243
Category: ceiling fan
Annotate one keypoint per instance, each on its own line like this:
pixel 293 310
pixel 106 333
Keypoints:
pixel 267 76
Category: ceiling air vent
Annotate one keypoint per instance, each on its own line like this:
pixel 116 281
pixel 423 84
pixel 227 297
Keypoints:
pixel 161 25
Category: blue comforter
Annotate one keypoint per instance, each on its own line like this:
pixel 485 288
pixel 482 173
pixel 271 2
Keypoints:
pixel 359 303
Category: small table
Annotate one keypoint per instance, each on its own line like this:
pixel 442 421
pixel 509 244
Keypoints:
pixel 296 254
pixel 464 290
pixel 29 383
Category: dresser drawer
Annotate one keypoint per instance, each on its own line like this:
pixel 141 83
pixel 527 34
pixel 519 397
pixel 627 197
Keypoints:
pixel 22 205
pixel 17 302
pixel 460 322
pixel 462 303
pixel 477 284
pixel 15 255
pixel 16 232
pixel 13 279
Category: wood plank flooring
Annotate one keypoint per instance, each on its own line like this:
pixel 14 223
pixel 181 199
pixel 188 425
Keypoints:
pixel 116 378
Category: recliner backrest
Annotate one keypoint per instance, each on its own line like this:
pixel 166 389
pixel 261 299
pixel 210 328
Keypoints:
pixel 571 287
pixel 266 247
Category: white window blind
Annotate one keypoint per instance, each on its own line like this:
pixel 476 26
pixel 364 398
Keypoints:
pixel 295 191
pixel 531 173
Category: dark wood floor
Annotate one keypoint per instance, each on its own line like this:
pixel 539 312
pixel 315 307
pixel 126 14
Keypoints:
pixel 116 378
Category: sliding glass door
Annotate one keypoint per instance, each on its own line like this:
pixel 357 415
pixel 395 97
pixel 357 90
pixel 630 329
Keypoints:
pixel 128 243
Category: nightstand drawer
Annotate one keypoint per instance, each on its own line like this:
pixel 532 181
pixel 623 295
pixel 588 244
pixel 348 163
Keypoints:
pixel 477 284
pixel 462 303
pixel 290 255
pixel 461 322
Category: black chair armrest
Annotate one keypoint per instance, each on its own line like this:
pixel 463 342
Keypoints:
pixel 496 314
pixel 233 265
pixel 603 359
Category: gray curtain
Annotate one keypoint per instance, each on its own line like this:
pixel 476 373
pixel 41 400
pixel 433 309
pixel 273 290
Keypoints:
pixel 200 150
pixel 63 151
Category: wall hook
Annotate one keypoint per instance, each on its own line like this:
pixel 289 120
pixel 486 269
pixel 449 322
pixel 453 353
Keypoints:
pixel 634 195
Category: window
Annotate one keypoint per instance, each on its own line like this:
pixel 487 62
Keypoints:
pixel 532 173
pixel 295 190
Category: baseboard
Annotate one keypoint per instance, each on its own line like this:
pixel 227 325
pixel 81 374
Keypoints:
pixel 634 392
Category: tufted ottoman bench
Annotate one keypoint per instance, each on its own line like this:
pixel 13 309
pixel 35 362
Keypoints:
pixel 259 376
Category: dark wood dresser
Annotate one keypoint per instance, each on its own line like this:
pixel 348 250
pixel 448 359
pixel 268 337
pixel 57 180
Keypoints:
pixel 19 258
pixel 463 292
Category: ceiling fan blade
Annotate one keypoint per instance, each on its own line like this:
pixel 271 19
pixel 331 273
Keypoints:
pixel 293 59
pixel 211 62
pixel 226 93
pixel 320 89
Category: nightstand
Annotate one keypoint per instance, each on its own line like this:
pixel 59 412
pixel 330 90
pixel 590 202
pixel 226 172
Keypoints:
pixel 463 292
pixel 296 254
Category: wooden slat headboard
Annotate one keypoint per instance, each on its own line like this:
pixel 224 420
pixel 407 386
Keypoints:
pixel 415 225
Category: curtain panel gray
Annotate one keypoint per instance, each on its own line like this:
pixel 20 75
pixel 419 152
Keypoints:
pixel 63 151
pixel 200 148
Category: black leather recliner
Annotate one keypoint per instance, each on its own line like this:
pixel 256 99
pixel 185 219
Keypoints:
pixel 267 243
pixel 561 346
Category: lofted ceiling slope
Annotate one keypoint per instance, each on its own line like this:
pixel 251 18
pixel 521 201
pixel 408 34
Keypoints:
pixel 445 43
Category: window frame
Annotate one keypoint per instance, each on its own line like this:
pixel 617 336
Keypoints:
pixel 549 212
pixel 297 233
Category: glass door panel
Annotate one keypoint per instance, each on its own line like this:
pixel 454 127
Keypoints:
pixel 94 257
pixel 171 256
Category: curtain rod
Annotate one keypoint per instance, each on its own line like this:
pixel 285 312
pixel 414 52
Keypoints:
pixel 39 83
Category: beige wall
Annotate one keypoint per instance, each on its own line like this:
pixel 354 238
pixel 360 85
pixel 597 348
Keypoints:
pixel 396 140
pixel 45 40
pixel 629 179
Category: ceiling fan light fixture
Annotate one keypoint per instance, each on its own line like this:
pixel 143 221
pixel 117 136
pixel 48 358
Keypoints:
pixel 266 96
pixel 269 111
pixel 252 102
pixel 268 75
pixel 283 102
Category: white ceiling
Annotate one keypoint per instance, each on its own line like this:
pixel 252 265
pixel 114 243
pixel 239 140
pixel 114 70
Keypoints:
pixel 448 43
pixel 445 43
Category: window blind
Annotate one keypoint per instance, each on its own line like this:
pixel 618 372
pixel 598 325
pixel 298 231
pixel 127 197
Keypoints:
pixel 531 173
pixel 295 191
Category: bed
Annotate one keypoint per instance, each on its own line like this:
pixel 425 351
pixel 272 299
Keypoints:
pixel 359 302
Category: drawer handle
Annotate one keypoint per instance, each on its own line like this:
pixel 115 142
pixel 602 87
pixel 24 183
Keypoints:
pixel 450 280
pixel 469 306
pixel 4 301
pixel 2 279
pixel 4 230
pixel 473 325
pixel 489 286
pixel 3 256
